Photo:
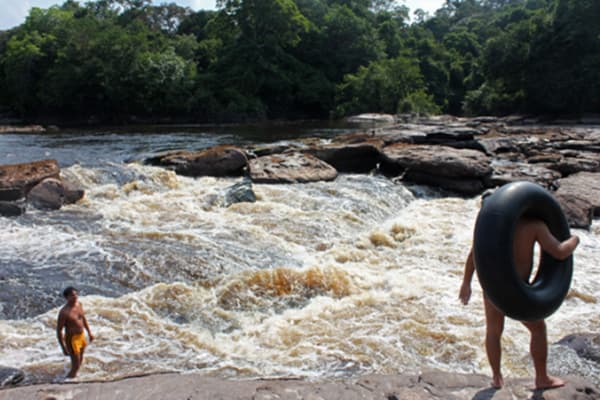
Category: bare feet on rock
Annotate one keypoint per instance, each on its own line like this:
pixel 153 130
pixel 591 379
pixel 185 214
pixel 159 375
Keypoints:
pixel 549 382
pixel 497 382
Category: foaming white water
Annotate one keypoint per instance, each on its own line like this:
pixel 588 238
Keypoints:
pixel 324 279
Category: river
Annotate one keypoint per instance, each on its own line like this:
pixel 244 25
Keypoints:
pixel 320 280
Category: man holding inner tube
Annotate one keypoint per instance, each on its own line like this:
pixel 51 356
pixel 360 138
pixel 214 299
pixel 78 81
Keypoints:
pixel 528 231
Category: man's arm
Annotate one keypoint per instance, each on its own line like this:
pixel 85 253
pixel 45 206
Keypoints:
pixel 60 324
pixel 465 288
pixel 85 324
pixel 551 245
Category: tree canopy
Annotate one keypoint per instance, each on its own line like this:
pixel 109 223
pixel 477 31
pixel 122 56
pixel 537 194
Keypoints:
pixel 257 59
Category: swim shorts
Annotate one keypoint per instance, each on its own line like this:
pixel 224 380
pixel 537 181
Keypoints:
pixel 76 343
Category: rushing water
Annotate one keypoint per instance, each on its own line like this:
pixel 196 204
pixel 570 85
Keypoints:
pixel 326 279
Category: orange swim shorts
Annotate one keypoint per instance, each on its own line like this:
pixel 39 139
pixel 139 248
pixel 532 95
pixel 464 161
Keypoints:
pixel 76 343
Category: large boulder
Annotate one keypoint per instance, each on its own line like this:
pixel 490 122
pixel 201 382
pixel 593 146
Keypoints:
pixel 579 196
pixel 461 170
pixel 358 158
pixel 17 179
pixel 290 168
pixel 215 161
pixel 49 194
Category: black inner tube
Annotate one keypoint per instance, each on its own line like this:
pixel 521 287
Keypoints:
pixel 493 252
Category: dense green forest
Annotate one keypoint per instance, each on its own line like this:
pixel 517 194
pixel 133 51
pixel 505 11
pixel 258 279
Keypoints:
pixel 258 59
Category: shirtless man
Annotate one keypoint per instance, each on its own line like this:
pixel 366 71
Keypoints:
pixel 527 232
pixel 72 319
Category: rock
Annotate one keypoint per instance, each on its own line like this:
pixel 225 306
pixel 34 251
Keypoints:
pixel 11 194
pixel 586 345
pixel 240 192
pixel 290 168
pixel 572 162
pixel 461 170
pixel 433 385
pixel 505 172
pixel 389 118
pixel 12 208
pixel 72 193
pixel 579 196
pixel 10 377
pixel 215 161
pixel 22 129
pixel 18 179
pixel 358 158
pixel 49 194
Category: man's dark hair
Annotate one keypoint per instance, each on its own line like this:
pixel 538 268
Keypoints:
pixel 67 292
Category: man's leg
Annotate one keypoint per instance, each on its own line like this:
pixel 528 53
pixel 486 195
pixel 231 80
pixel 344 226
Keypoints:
pixel 75 364
pixel 494 325
pixel 538 347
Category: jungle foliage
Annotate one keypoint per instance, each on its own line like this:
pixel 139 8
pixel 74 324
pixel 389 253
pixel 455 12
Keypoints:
pixel 258 59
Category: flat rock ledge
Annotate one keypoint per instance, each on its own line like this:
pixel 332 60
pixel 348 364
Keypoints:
pixel 427 385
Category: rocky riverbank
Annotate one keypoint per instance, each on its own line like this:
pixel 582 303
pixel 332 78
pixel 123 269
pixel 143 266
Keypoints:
pixel 426 385
pixel 460 155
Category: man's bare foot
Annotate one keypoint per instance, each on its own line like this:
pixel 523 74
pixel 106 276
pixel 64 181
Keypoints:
pixel 549 382
pixel 497 382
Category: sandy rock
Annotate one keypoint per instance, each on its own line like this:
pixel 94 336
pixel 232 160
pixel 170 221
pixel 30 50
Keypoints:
pixel 22 177
pixel 290 168
pixel 429 385
pixel 215 161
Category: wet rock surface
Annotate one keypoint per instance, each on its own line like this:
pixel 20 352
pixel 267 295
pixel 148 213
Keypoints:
pixel 427 385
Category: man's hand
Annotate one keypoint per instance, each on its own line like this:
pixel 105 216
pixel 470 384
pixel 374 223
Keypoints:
pixel 465 293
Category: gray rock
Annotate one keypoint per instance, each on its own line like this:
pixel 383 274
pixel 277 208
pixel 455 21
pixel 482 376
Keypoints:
pixel 10 377
pixel 12 208
pixel 586 345
pixel 510 171
pixel 49 194
pixel 240 192
pixel 359 158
